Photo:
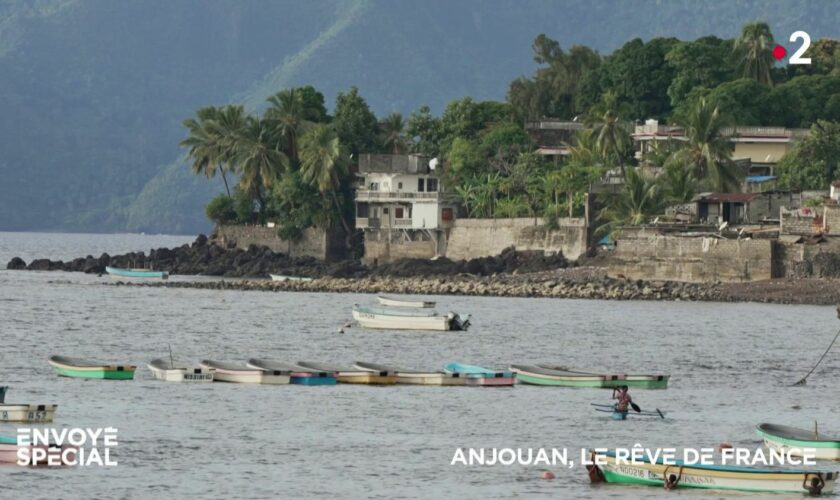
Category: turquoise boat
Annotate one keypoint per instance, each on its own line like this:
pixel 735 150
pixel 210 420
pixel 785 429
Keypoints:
pixel 3 393
pixel 80 368
pixel 477 375
pixel 298 375
pixel 118 273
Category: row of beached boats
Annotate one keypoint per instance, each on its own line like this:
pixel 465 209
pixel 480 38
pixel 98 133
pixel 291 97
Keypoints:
pixel 262 371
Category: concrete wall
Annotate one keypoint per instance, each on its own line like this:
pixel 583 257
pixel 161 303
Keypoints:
pixel 653 256
pixel 383 246
pixel 315 242
pixel 800 260
pixel 471 238
pixel 803 221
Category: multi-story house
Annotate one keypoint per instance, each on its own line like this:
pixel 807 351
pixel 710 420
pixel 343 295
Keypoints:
pixel 401 201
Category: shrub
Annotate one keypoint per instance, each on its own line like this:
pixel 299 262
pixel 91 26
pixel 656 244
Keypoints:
pixel 220 210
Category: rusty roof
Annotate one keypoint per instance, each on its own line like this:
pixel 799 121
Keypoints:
pixel 728 197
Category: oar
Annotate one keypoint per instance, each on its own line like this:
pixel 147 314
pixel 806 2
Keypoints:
pixel 660 413
pixel 636 408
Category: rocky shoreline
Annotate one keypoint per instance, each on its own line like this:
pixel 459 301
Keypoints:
pixel 571 283
pixel 511 274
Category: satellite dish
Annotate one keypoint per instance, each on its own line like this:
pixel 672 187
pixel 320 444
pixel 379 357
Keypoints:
pixel 433 163
pixel 723 226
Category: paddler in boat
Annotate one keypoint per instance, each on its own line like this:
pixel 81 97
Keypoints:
pixel 624 399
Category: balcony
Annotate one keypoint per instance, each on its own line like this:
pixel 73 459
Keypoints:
pixel 402 223
pixel 365 195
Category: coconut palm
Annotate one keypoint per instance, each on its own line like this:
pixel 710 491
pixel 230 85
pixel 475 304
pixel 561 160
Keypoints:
pixel 289 119
pixel 207 147
pixel 753 52
pixel 259 162
pixel 707 153
pixel 633 205
pixel 392 129
pixel 323 165
pixel 612 140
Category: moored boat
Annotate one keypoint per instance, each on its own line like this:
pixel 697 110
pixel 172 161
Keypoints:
pixel 798 442
pixel 352 375
pixel 479 376
pixel 408 319
pixel 392 302
pixel 299 374
pixel 617 380
pixel 622 415
pixel 229 372
pixel 536 375
pixel 166 371
pixel 148 274
pixel 414 377
pixel 281 277
pixel 713 477
pixel 81 368
pixel 55 455
pixel 27 413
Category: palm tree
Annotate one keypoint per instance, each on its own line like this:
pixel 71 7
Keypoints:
pixel 707 152
pixel 634 205
pixel 289 119
pixel 323 165
pixel 753 52
pixel 611 137
pixel 678 184
pixel 206 145
pixel 392 129
pixel 260 163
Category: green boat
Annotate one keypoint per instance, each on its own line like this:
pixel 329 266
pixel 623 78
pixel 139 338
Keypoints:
pixel 799 441
pixel 559 376
pixel 80 368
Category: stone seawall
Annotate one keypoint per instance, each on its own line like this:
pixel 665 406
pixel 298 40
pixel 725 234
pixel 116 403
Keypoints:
pixel 315 242
pixel 471 238
pixel 654 256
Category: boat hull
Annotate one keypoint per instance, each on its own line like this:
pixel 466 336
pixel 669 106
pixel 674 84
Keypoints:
pixel 55 455
pixel 491 381
pixel 439 379
pixel 536 379
pixel 27 413
pixel 65 368
pixel 789 444
pixel 387 322
pixel 118 273
pixel 392 302
pixel 251 378
pixel 543 375
pixel 366 378
pixel 312 379
pixel 714 478
pixel 187 375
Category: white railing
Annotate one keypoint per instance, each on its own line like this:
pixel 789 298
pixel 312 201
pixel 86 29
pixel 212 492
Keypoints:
pixel 385 195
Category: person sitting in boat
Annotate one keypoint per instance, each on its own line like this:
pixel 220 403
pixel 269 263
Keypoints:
pixel 623 397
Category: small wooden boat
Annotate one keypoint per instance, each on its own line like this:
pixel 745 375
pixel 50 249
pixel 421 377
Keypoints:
pixel 352 375
pixel 797 441
pixel 713 477
pixel 81 368
pixel 414 377
pixel 544 374
pixel 618 380
pixel 391 302
pixel 166 371
pixel 143 274
pixel 3 390
pixel 229 372
pixel 55 455
pixel 281 277
pixel 407 319
pixel 27 413
pixel 476 375
pixel 622 415
pixel 299 375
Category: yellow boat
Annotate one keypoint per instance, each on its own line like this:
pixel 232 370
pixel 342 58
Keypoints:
pixel 352 375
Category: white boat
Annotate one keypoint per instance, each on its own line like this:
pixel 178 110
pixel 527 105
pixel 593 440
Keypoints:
pixel 414 377
pixel 407 319
pixel 281 277
pixel 229 372
pixel 164 370
pixel 27 413
pixel 392 302
pixel 799 442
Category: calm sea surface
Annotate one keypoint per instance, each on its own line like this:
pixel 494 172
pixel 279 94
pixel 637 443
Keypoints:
pixel 731 366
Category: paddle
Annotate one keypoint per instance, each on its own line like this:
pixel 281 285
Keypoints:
pixel 660 413
pixel 636 408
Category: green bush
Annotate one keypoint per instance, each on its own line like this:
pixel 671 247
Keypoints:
pixel 220 210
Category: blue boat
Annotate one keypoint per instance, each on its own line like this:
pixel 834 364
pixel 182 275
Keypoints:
pixel 477 375
pixel 297 374
pixel 118 273
pixel 3 393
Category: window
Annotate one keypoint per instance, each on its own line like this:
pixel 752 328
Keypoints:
pixel 385 211
pixel 431 185
pixel 447 215
pixel 399 185
pixel 374 186
pixel 398 212
pixel 421 185
pixel 362 210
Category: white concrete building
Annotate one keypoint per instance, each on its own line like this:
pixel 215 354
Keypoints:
pixel 401 200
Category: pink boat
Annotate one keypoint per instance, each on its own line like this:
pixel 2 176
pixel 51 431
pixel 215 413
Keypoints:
pixel 482 377
pixel 54 454
pixel 491 381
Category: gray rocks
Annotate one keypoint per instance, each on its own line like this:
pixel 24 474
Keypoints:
pixel 16 264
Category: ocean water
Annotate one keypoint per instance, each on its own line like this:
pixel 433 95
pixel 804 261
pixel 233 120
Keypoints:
pixel 731 367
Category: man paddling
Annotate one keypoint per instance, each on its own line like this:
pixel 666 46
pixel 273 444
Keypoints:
pixel 625 402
